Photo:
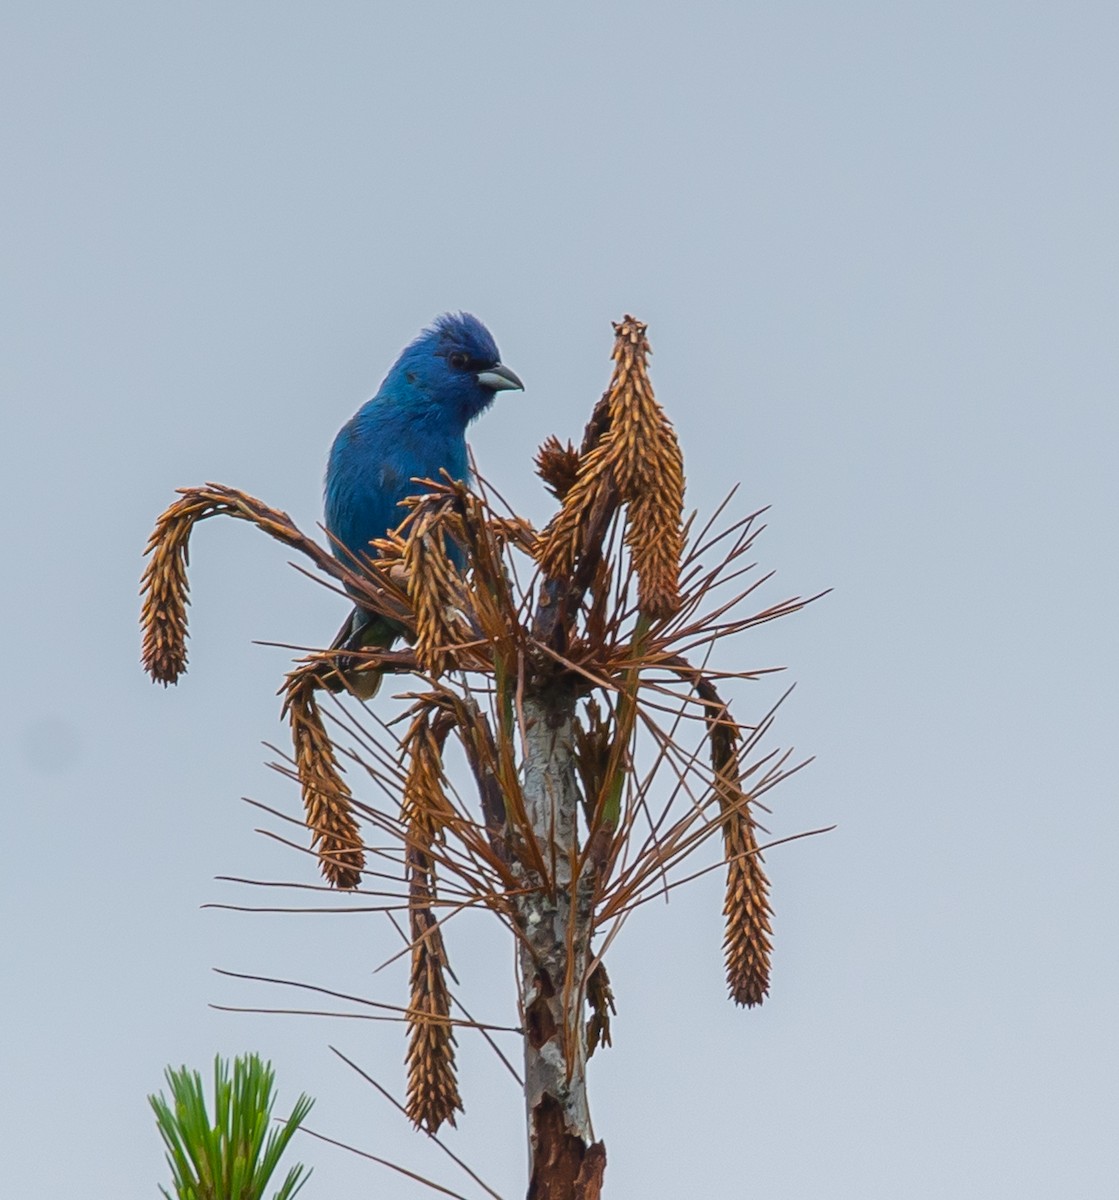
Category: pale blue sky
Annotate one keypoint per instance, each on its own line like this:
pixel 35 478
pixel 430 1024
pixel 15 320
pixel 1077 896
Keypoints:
pixel 876 247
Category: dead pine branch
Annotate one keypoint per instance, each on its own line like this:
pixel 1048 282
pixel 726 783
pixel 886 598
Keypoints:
pixel 580 670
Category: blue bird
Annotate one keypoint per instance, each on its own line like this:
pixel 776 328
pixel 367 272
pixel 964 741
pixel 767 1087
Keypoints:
pixel 414 427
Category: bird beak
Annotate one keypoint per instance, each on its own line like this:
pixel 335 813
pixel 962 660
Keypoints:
pixel 500 379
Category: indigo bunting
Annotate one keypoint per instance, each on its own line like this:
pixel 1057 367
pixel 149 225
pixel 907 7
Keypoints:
pixel 414 427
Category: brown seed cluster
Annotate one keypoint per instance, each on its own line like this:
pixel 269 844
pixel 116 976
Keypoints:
pixel 746 942
pixel 434 588
pixel 327 802
pixel 592 492
pixel 649 468
pixel 633 457
pixel 165 588
pixel 558 466
pixel 433 1095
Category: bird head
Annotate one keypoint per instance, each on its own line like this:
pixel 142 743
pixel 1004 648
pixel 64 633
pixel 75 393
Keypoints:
pixel 454 364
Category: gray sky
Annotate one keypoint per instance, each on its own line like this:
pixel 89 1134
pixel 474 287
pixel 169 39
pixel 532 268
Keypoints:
pixel 876 247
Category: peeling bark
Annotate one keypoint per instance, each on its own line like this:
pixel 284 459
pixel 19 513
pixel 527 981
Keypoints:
pixel 553 953
pixel 565 1167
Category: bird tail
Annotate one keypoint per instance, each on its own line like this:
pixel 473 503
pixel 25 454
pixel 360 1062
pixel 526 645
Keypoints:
pixel 362 631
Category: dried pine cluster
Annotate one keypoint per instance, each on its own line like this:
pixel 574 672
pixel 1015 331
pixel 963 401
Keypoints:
pixel 433 1095
pixel 612 601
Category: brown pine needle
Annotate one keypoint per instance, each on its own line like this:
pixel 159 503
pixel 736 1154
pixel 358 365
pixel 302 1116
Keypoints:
pixel 400 1012
pixel 404 1112
pixel 384 1162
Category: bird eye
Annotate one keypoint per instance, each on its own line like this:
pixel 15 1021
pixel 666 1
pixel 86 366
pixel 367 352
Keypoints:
pixel 458 359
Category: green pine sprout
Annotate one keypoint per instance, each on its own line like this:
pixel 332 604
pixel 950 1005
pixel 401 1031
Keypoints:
pixel 229 1158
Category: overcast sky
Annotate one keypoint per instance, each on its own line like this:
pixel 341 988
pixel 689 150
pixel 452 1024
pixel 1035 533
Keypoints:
pixel 876 247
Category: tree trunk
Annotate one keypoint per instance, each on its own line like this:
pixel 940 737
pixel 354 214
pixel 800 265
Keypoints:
pixel 553 952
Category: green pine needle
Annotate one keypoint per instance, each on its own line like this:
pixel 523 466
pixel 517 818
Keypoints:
pixel 234 1156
